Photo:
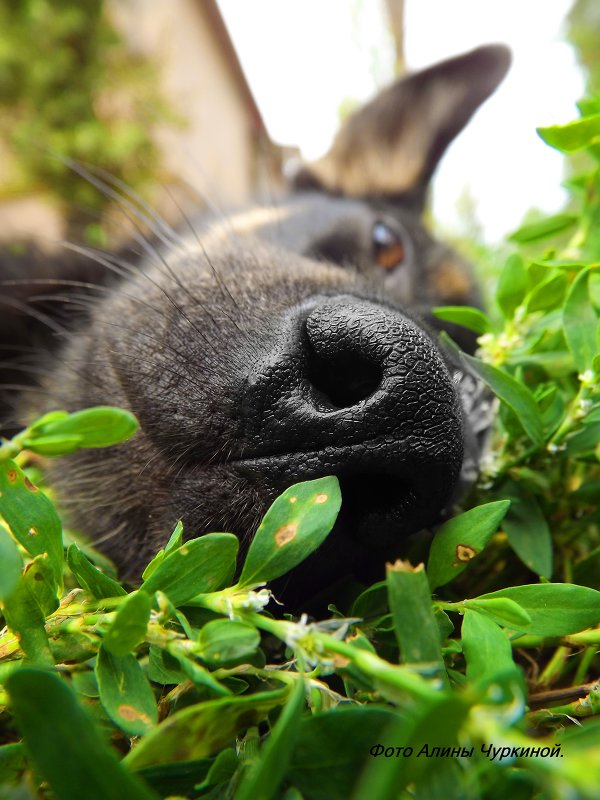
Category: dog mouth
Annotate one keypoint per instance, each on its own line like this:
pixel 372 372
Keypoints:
pixel 381 509
pixel 388 491
pixel 382 494
pixel 353 388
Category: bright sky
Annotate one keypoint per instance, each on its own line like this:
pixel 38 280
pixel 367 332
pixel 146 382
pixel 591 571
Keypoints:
pixel 302 58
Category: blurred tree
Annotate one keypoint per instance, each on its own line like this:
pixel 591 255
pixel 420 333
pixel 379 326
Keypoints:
pixel 584 32
pixel 70 90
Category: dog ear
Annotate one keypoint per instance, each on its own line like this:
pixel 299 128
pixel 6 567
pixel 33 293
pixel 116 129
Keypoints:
pixel 391 146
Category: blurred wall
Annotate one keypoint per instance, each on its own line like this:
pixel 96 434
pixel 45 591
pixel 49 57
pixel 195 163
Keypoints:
pixel 222 149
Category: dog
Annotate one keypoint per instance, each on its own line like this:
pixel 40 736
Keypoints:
pixel 272 345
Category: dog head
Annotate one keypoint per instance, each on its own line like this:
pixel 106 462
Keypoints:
pixel 288 342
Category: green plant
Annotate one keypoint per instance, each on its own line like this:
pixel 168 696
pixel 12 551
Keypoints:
pixel 463 677
pixel 541 360
pixel 71 94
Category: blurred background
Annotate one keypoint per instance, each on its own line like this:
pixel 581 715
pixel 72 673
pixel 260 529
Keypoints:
pixel 190 102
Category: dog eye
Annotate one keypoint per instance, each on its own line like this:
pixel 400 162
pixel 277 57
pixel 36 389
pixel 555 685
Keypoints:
pixel 388 247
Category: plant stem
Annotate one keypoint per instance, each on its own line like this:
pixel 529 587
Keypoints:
pixel 391 676
pixel 585 638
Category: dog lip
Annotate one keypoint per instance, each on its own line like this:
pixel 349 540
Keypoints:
pixel 362 447
pixel 395 458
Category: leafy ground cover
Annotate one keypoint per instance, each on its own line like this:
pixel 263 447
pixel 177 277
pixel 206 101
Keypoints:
pixel 471 675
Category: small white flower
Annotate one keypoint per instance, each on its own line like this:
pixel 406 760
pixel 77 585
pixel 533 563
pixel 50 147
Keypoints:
pixel 301 637
pixel 251 600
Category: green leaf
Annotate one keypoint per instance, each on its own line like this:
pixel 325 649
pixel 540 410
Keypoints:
pixel 527 530
pixel 580 323
pixel 461 539
pixel 174 543
pixel 444 623
pixel 95 583
pixel 556 609
pixel 52 446
pixel 265 776
pixel 337 746
pixel 547 294
pixel 471 318
pixel 64 745
pixel 585 738
pixel 22 615
pixel 199 566
pixel 444 782
pixel 125 693
pixel 152 565
pixel 39 579
pixel 223 767
pixel 556 363
pixel 553 410
pixel 175 539
pixel 588 106
pixel 550 226
pixel 85 683
pixel 47 419
pixel 25 610
pixel 587 494
pixel 513 394
pixel 372 603
pixel 502 610
pixel 101 426
pixel 594 285
pixel 574 135
pixel 203 729
pixel 199 675
pixel 223 641
pixel 332 749
pixel 178 781
pixel 566 264
pixel 587 571
pixel 31 517
pixel 12 564
pixel 415 626
pixel 7 669
pixel 512 285
pixel 384 778
pixel 582 742
pixel 486 647
pixel 130 624
pixel 293 527
pixel 13 763
pixel 163 668
pixel 354 675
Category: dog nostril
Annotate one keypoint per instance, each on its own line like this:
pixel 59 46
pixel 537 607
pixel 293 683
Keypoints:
pixel 345 378
pixel 346 345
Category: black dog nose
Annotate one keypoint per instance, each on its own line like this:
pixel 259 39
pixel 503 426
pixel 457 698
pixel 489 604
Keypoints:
pixel 346 352
pixel 357 389
pixel 378 368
